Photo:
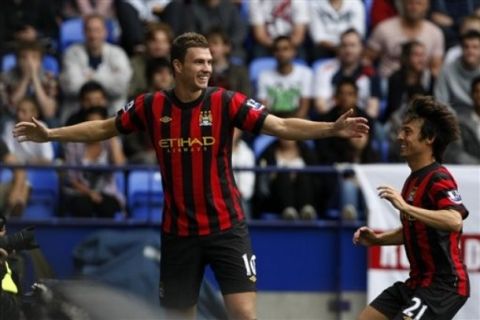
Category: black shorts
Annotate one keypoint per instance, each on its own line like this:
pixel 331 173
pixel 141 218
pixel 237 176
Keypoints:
pixel 183 262
pixel 401 302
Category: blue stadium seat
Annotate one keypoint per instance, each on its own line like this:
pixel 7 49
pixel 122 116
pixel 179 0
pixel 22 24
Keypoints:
pixel 319 62
pixel 261 142
pixel 145 195
pixel 43 200
pixel 71 31
pixel 49 63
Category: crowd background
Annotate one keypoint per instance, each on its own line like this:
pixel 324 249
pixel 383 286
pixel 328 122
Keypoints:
pixel 68 61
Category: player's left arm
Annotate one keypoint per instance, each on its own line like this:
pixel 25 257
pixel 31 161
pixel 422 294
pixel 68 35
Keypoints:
pixel 300 129
pixel 443 219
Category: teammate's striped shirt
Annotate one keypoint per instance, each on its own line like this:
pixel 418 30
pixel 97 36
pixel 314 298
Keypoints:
pixel 193 143
pixel 435 255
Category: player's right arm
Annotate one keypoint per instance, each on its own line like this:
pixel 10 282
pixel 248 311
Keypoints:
pixel 88 131
pixel 367 237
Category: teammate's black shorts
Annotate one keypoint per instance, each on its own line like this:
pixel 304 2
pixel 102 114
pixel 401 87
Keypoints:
pixel 401 302
pixel 184 259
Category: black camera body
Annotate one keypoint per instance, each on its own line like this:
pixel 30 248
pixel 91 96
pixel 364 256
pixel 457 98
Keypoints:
pixel 21 240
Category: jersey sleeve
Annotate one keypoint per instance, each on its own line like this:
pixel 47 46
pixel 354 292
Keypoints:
pixel 247 114
pixel 444 194
pixel 131 117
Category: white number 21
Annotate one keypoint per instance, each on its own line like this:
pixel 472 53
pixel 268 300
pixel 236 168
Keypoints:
pixel 418 308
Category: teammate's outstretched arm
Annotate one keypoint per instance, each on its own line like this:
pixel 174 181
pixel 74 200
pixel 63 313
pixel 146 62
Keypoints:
pixel 300 129
pixel 367 237
pixel 87 131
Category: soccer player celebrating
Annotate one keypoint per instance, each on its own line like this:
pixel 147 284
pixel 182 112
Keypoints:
pixel 432 213
pixel 191 128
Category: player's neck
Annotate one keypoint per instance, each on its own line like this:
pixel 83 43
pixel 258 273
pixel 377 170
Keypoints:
pixel 186 95
pixel 421 161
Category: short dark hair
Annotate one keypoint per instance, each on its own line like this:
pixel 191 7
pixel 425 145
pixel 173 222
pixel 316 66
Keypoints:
pixel 351 30
pixel 348 81
pixel 185 41
pixel 439 123
pixel 155 65
pixel 469 35
pixel 407 49
pixel 91 86
pixel 279 39
pixel 218 32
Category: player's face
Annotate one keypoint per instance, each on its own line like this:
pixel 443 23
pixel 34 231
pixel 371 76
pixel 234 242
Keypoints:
pixel 196 70
pixel 409 138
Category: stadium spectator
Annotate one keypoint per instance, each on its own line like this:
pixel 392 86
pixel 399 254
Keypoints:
pixel 192 126
pixel 34 19
pixel 413 77
pixel 14 193
pixel 469 23
pixel 354 150
pixel 467 149
pixel 329 19
pixel 84 8
pixel 205 15
pixel 386 39
pixel 448 15
pixel 243 157
pixel 431 213
pixel 92 193
pixel 286 90
pixel 226 74
pixel 270 19
pixel 454 82
pixel 293 195
pixel 348 64
pixel 28 152
pixel 92 94
pixel 133 16
pixel 138 146
pixel 158 39
pixel 159 75
pixel 29 79
pixel 94 60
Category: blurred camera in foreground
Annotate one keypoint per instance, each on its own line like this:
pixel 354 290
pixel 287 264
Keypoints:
pixel 21 240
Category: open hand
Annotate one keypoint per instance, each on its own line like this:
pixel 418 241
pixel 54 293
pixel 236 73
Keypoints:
pixel 31 131
pixel 350 127
pixel 393 196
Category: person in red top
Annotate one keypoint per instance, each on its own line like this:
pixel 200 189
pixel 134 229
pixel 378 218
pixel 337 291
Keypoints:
pixel 432 214
pixel 191 128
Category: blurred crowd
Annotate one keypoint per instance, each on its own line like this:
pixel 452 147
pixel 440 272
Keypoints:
pixel 68 61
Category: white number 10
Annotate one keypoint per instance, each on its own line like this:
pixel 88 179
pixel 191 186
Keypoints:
pixel 249 265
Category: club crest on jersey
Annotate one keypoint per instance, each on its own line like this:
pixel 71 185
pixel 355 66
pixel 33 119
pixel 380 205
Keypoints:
pixel 254 104
pixel 411 195
pixel 454 196
pixel 205 118
pixel 165 119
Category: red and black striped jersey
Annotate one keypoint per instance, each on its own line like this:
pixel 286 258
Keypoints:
pixel 193 143
pixel 435 255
